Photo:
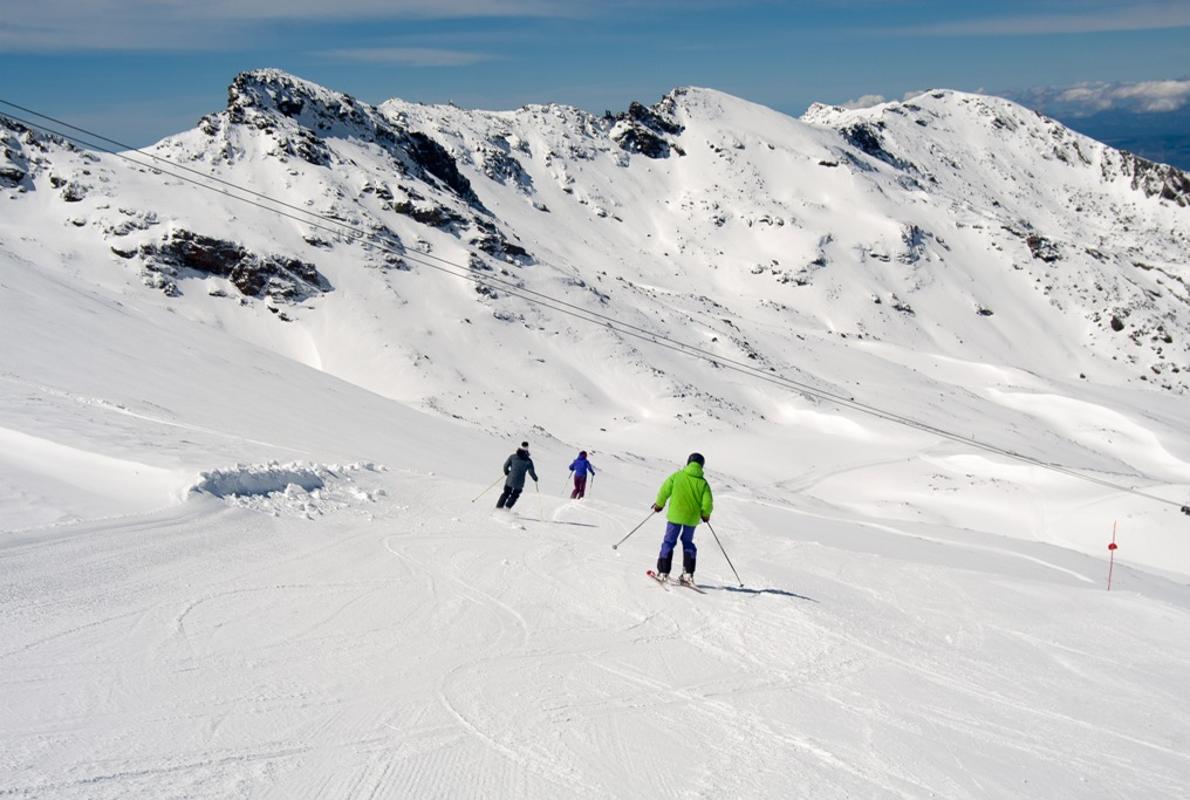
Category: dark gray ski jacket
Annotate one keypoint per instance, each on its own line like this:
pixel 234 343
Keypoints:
pixel 515 467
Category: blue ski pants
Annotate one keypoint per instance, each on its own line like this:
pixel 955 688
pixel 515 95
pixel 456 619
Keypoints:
pixel 674 531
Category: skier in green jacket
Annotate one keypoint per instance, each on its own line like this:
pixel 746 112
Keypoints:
pixel 689 497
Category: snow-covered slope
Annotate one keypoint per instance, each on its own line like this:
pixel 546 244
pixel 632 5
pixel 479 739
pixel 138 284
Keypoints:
pixel 954 259
pixel 237 450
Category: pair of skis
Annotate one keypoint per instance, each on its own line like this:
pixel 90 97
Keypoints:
pixel 666 583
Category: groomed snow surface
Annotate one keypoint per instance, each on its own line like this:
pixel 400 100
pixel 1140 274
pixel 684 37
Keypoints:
pixel 418 647
pixel 294 628
pixel 248 556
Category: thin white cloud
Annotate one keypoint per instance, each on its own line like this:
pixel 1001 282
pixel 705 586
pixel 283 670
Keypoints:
pixel 146 25
pixel 407 56
pixel 869 100
pixel 864 101
pixel 383 9
pixel 1084 99
pixel 1154 96
pixel 1117 17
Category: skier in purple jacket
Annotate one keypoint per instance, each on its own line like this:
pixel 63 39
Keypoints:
pixel 580 467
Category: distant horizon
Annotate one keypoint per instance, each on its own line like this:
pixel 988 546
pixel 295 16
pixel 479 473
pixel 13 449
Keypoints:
pixel 1158 135
pixel 140 70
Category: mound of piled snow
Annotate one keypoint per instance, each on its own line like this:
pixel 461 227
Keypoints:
pixel 256 479
pixel 294 489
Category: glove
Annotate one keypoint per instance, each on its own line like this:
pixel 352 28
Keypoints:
pixel 705 518
pixel 656 509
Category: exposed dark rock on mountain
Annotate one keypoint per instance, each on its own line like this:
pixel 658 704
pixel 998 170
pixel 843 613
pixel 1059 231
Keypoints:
pixel 866 138
pixel 300 116
pixel 434 159
pixel 10 175
pixel 431 214
pixel 639 140
pixel 22 149
pixel 644 130
pixel 1042 248
pixel 1157 180
pixel 493 242
pixel 653 118
pixel 73 191
pixel 500 165
pixel 279 277
pixel 14 164
pixel 990 206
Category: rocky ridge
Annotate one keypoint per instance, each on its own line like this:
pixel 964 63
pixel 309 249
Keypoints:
pixel 955 223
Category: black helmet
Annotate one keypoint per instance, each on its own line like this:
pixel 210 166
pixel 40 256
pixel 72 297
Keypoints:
pixel 696 458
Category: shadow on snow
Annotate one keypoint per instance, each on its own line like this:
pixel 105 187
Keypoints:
pixel 746 590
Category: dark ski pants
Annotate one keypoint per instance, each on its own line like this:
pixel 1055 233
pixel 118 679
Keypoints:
pixel 689 552
pixel 580 487
pixel 508 497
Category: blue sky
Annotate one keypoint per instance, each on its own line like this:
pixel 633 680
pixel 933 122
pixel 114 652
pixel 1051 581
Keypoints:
pixel 140 69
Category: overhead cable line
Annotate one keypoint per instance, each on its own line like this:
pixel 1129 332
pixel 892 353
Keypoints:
pixel 322 222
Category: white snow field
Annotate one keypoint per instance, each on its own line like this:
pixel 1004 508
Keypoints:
pixel 239 551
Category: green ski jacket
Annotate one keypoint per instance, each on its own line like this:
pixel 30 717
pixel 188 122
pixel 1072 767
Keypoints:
pixel 689 496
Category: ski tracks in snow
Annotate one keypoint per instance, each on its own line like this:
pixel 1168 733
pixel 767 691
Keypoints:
pixel 510 643
pixel 114 407
pixel 396 654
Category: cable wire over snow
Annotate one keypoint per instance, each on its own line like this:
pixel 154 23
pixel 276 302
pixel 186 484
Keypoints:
pixel 319 221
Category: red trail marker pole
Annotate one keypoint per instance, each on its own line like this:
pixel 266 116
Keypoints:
pixel 1111 548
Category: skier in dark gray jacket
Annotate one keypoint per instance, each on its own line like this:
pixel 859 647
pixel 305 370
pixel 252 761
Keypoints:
pixel 515 467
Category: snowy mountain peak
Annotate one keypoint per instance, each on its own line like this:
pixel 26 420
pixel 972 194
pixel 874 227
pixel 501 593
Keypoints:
pixel 949 223
pixel 263 98
pixel 988 124
pixel 299 119
pixel 649 131
pixel 27 155
pixel 946 183
pixel 701 102
pixel 276 90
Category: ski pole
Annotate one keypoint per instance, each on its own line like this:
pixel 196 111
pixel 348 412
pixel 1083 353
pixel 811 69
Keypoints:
pixel 568 476
pixel 540 501
pixel 737 575
pixel 634 530
pixel 485 491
